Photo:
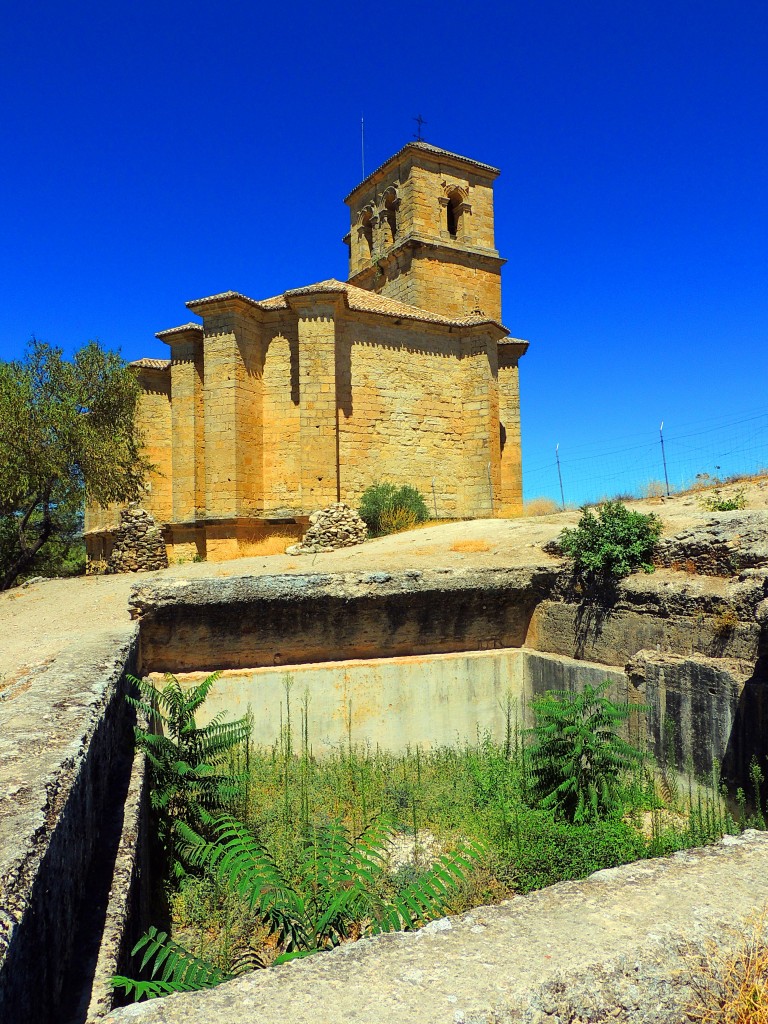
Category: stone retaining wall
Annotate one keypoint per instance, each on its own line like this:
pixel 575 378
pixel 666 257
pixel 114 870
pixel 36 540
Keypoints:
pixel 138 543
pixel 190 625
pixel 63 763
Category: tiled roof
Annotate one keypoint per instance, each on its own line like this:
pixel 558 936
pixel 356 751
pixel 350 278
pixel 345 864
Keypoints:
pixel 179 330
pixel 151 364
pixel 209 299
pixel 358 299
pixel 426 147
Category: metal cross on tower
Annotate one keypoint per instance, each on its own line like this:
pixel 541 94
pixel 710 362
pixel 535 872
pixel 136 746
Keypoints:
pixel 420 122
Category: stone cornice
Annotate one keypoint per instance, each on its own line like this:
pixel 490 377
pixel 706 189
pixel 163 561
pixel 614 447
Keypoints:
pixel 515 347
pixel 414 239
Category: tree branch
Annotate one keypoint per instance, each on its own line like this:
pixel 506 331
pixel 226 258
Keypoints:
pixel 28 551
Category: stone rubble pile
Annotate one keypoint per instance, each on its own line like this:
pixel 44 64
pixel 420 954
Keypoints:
pixel 337 526
pixel 139 544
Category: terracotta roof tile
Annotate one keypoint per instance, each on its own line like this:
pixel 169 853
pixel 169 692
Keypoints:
pixel 151 364
pixel 358 299
pixel 363 301
pixel 180 330
pixel 219 297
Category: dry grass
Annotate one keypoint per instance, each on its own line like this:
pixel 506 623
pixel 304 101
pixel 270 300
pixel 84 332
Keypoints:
pixel 729 983
pixel 688 566
pixel 14 687
pixel 267 544
pixel 540 507
pixel 397 518
pixel 470 545
pixel 725 622
pixel 654 489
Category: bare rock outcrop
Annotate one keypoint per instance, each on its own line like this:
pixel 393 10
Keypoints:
pixel 337 526
pixel 139 544
pixel 723 544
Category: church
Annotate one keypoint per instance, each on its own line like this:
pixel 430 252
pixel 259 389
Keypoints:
pixel 269 409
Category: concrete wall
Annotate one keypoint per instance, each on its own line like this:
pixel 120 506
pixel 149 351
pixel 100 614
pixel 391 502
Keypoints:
pixel 393 703
pixel 447 699
pixel 406 416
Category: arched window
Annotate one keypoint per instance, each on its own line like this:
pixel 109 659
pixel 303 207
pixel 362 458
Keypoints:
pixel 366 232
pixel 454 212
pixel 391 203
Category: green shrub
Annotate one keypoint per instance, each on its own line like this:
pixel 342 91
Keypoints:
pixel 717 502
pixel 577 760
pixel 549 851
pixel 386 508
pixel 612 544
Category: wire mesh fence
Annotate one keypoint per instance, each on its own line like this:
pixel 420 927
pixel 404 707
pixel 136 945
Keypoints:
pixel 670 458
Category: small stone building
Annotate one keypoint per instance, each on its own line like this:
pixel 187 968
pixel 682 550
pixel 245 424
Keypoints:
pixel 269 409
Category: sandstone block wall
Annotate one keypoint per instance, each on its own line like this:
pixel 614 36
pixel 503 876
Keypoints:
pixel 272 409
pixel 317 401
pixel 510 491
pixel 282 422
pixel 155 424
pixel 187 427
pixel 419 411
pixel 154 420
pixel 447 280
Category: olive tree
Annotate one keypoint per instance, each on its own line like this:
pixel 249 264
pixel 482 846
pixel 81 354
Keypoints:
pixel 67 427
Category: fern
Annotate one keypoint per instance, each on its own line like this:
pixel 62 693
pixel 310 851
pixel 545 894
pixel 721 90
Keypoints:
pixel 428 897
pixel 240 861
pixel 173 969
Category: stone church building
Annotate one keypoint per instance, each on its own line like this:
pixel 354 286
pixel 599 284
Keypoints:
pixel 269 409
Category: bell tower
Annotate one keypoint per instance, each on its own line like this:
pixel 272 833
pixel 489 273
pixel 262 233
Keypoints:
pixel 421 231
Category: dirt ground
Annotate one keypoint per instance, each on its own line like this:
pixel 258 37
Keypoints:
pixel 39 620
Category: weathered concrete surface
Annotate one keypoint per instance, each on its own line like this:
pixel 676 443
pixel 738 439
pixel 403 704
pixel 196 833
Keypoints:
pixel 397 703
pixel 128 901
pixel 607 948
pixel 541 672
pixel 61 734
pixel 283 620
pixel 393 703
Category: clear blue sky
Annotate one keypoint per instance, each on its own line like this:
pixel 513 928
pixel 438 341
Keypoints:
pixel 158 153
